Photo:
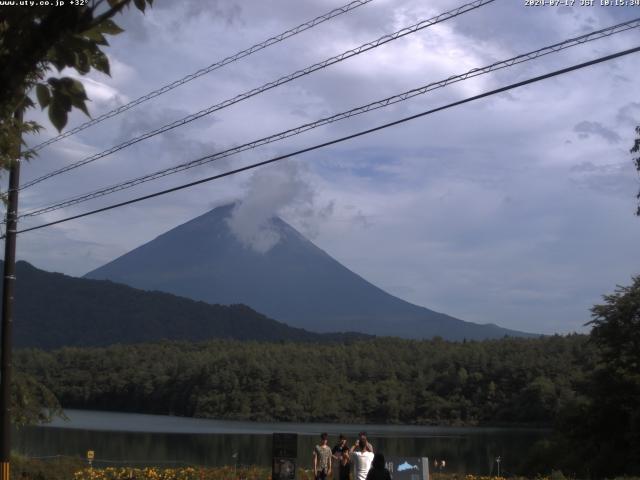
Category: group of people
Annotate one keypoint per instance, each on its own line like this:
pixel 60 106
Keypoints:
pixel 341 460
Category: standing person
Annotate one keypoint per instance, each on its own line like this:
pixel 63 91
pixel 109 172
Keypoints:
pixel 336 454
pixel 378 469
pixel 362 455
pixel 344 467
pixel 337 449
pixel 322 458
pixel 362 437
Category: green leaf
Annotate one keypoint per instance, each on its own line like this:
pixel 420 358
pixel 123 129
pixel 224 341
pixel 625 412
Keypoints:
pixel 57 114
pixel 44 97
pixel 140 5
pixel 55 59
pixel 82 62
pixel 100 62
pixel 76 90
pixel 65 55
pixel 31 127
pixel 94 35
pixel 64 86
pixel 27 103
pixel 79 104
pixel 109 27
pixel 63 99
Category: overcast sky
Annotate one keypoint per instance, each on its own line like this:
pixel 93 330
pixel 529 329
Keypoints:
pixel 516 209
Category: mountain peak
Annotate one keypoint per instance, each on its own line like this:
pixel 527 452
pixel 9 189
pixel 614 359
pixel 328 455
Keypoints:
pixel 229 256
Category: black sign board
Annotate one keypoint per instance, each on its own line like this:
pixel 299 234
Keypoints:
pixel 284 456
pixel 408 468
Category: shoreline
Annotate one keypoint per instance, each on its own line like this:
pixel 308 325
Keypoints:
pixel 81 419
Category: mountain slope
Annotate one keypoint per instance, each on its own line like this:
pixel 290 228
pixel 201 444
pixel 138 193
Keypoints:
pixel 54 310
pixel 295 282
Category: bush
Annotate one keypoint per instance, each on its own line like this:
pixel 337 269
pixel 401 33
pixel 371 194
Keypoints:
pixel 61 468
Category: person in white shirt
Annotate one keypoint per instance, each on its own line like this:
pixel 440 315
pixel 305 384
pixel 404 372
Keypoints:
pixel 362 456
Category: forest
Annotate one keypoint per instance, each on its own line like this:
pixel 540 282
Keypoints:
pixel 385 380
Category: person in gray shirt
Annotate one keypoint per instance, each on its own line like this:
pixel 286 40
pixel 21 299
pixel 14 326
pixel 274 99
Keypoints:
pixel 322 458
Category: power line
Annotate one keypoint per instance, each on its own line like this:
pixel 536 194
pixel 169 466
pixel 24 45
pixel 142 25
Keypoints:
pixel 341 139
pixel 605 32
pixel 268 86
pixel 203 71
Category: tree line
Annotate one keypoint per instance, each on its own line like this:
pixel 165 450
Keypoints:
pixel 385 380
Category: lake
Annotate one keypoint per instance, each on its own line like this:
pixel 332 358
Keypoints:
pixel 129 438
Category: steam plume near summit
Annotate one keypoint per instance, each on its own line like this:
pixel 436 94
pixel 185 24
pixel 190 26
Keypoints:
pixel 270 192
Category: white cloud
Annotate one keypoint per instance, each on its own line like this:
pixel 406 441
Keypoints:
pixel 273 191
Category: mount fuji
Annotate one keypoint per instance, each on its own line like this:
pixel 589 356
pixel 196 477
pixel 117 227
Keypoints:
pixel 294 282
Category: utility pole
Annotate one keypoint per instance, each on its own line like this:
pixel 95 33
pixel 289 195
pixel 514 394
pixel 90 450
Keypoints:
pixel 7 306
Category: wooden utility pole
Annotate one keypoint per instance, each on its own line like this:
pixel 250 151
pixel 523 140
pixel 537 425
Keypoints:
pixel 8 288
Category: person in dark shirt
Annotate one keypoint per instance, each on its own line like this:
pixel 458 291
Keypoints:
pixel 336 454
pixel 378 470
pixel 337 449
pixel 344 467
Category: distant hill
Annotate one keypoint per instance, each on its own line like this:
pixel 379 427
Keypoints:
pixel 54 310
pixel 295 282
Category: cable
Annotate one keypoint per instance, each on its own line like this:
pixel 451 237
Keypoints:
pixel 203 71
pixel 282 80
pixel 605 32
pixel 268 86
pixel 339 140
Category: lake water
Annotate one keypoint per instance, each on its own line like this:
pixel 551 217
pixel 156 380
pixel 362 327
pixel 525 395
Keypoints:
pixel 165 440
